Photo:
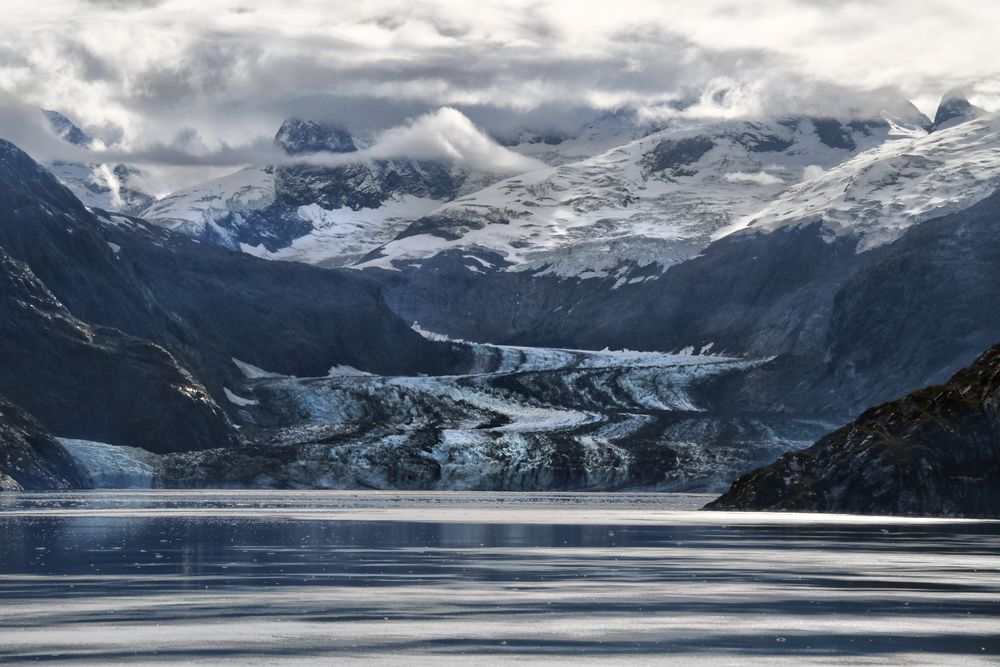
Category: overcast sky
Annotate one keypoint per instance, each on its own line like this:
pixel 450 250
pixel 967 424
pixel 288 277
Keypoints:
pixel 177 81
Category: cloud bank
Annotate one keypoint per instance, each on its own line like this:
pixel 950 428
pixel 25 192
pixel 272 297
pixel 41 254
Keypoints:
pixel 445 134
pixel 208 81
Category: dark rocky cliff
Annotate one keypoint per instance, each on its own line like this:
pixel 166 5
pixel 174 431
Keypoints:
pixel 933 452
pixel 30 458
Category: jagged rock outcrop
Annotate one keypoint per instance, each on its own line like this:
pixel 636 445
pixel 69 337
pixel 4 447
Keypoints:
pixel 953 109
pixel 297 136
pixel 30 458
pixel 934 452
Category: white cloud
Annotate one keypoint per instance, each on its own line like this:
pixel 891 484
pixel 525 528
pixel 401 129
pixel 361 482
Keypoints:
pixel 445 134
pixel 758 178
pixel 812 171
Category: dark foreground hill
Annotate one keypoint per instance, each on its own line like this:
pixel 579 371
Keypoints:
pixel 933 452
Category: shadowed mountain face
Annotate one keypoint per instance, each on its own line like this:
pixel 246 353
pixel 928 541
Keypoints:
pixel 954 109
pixel 121 333
pixel 80 379
pixel 933 452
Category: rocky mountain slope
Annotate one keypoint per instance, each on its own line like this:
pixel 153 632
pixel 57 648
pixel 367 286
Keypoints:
pixel 326 215
pixel 30 458
pixel 933 452
pixel 120 332
pixel 74 376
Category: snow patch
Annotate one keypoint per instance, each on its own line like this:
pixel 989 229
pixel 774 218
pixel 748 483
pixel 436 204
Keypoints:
pixel 343 370
pixel 252 372
pixel 430 335
pixel 238 400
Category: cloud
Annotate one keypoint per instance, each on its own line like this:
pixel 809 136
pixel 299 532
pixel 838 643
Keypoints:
pixel 812 171
pixel 445 134
pixel 27 127
pixel 136 73
pixel 449 135
pixel 758 178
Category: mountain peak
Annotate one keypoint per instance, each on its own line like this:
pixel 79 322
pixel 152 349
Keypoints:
pixel 953 109
pixel 297 136
pixel 66 129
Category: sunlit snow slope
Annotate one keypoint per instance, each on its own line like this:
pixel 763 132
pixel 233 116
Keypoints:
pixel 659 199
pixel 879 194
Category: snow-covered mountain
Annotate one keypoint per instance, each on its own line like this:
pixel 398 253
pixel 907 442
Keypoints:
pixel 877 195
pixel 327 215
pixel 869 279
pixel 954 109
pixel 607 131
pixel 620 192
pixel 659 199
pixel 112 187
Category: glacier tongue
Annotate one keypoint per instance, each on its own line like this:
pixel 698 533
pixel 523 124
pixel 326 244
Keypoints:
pixel 112 466
pixel 522 418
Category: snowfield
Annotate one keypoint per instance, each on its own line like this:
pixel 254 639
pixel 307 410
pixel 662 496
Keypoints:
pixel 619 194
pixel 879 194
pixel 198 208
pixel 659 199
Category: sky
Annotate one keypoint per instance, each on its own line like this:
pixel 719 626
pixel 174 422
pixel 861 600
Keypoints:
pixel 204 84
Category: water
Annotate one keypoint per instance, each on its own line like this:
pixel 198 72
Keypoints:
pixel 459 578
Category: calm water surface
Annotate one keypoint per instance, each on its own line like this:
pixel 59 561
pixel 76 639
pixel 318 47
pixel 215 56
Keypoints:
pixel 432 578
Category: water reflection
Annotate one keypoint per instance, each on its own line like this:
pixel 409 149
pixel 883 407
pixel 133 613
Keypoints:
pixel 109 586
